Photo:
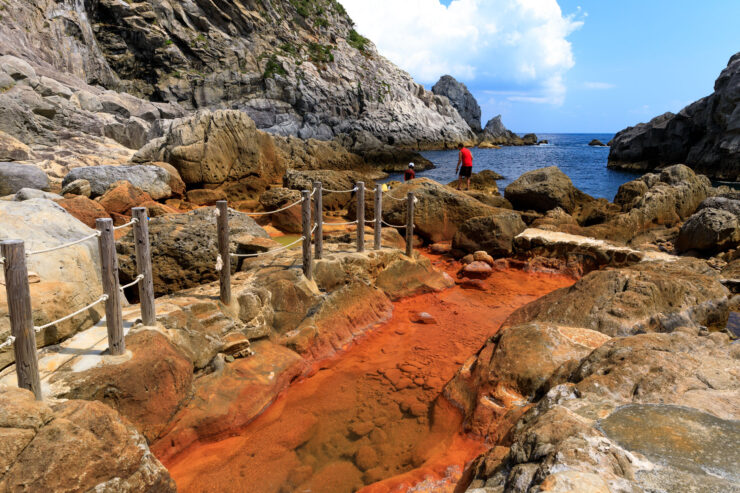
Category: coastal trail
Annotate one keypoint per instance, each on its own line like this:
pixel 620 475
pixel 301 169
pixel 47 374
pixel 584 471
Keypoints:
pixel 371 418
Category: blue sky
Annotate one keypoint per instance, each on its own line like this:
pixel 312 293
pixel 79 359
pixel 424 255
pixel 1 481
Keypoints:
pixel 561 66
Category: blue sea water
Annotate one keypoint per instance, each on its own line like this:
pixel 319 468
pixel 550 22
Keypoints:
pixel 584 164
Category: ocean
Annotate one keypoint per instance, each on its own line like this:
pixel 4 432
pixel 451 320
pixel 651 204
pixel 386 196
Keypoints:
pixel 585 165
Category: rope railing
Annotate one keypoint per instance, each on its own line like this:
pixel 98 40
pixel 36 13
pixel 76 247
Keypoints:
pixel 71 315
pixel 392 225
pixel 348 223
pixel 130 223
pixel 8 342
pixel 326 190
pixel 132 283
pixel 65 245
pixel 275 211
pixel 269 252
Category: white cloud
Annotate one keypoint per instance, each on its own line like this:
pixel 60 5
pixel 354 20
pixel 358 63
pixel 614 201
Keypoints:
pixel 598 85
pixel 518 46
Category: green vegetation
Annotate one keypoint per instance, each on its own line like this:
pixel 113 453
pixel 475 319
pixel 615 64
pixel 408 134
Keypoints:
pixel 319 53
pixel 302 7
pixel 168 42
pixel 273 67
pixel 321 22
pixel 289 49
pixel 200 37
pixel 338 8
pixel 357 41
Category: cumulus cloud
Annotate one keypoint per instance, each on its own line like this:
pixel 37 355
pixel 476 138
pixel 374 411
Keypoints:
pixel 517 48
pixel 598 85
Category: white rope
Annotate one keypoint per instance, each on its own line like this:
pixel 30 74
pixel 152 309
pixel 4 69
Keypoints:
pixel 134 283
pixel 216 212
pixel 131 222
pixel 2 260
pixel 369 221
pixel 314 228
pixel 341 224
pixel 9 341
pixel 81 310
pixel 269 252
pixel 275 211
pixel 391 225
pixel 389 196
pixel 326 190
pixel 219 263
pixel 94 235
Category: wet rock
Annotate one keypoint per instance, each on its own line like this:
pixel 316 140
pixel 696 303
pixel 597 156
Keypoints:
pixel 493 233
pixel 183 248
pixel 596 142
pixel 542 190
pixel 15 176
pixel 76 446
pixel 150 179
pixel 709 230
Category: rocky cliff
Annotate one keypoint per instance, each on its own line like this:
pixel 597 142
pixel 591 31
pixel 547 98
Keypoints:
pixel 295 67
pixel 497 134
pixel 461 99
pixel 704 135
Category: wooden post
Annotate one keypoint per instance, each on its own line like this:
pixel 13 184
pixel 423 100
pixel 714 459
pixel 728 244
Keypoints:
pixel 306 213
pixel 21 316
pixel 410 225
pixel 144 265
pixel 222 223
pixel 319 203
pixel 360 216
pixel 109 271
pixel 378 215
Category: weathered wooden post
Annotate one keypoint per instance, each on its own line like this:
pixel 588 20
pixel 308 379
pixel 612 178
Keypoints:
pixel 378 215
pixel 144 265
pixel 410 225
pixel 306 215
pixel 319 203
pixel 360 216
pixel 109 272
pixel 222 207
pixel 21 316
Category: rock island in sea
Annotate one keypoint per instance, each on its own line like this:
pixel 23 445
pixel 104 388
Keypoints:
pixel 535 339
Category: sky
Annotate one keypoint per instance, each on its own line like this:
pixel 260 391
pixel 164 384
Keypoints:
pixel 560 66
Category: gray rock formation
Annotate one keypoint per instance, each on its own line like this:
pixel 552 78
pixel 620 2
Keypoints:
pixel 15 176
pixel 150 179
pixel 495 133
pixel 461 99
pixel 493 233
pixel 704 135
pixel 297 69
pixel 709 230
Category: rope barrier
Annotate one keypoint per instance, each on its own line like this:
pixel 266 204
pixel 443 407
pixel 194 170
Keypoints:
pixel 71 315
pixel 130 223
pixel 389 196
pixel 275 211
pixel 269 252
pixel 2 260
pixel 47 250
pixel 8 342
pixel 134 283
pixel 391 225
pixel 341 224
pixel 326 190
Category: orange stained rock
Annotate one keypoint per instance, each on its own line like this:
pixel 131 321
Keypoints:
pixel 371 419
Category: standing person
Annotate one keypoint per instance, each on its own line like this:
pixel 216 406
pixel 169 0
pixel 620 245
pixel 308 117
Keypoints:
pixel 409 174
pixel 466 159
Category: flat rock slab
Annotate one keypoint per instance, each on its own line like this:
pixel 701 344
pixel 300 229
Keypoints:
pixel 693 450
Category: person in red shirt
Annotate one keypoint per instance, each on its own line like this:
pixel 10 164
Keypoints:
pixel 466 159
pixel 409 174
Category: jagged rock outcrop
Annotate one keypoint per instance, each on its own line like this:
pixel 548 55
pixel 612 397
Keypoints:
pixel 704 135
pixel 461 99
pixel 495 133
pixel 296 68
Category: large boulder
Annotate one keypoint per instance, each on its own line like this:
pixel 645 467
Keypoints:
pixel 151 179
pixel 215 147
pixel 493 233
pixel 461 99
pixel 15 176
pixel 183 248
pixel 73 446
pixel 647 297
pixel 703 134
pixel 69 278
pixel 12 149
pixel 709 230
pixel 86 210
pixel 543 189
pixel 484 181
pixel 439 211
